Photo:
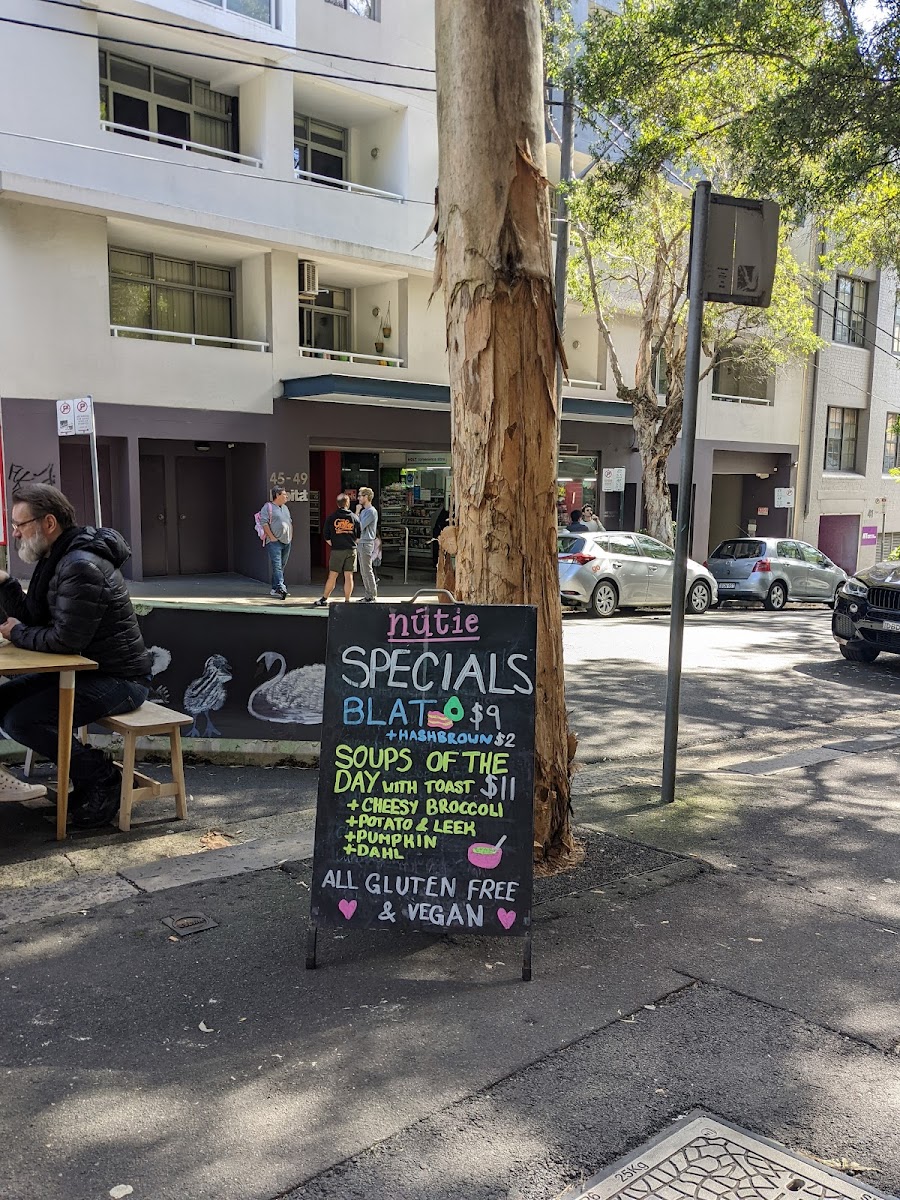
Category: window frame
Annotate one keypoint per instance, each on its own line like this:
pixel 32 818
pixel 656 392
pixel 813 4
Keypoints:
pixel 844 460
pixel 891 438
pixel 308 144
pixel 312 308
pixel 850 316
pixel 154 281
pixel 193 108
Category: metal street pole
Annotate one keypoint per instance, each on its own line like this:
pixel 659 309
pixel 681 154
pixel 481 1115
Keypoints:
pixel 699 225
pixel 567 159
pixel 95 466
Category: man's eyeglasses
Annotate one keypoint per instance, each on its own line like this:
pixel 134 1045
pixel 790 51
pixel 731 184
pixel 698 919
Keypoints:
pixel 18 526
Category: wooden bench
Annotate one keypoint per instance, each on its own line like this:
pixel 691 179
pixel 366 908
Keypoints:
pixel 145 721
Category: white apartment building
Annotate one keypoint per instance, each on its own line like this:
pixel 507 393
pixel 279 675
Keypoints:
pixel 847 502
pixel 211 220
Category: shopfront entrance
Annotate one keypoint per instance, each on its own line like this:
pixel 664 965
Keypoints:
pixel 412 489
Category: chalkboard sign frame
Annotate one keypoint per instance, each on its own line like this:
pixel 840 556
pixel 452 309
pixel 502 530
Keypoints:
pixel 428 737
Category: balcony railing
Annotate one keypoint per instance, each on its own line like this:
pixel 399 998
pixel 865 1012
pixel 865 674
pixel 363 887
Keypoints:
pixel 345 184
pixel 742 399
pixel 148 135
pixel 362 8
pixel 382 360
pixel 194 339
pixel 257 10
pixel 591 385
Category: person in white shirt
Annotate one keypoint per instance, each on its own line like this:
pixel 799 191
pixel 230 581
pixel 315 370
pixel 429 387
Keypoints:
pixel 365 547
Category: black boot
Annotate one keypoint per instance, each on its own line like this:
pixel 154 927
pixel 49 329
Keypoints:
pixel 100 803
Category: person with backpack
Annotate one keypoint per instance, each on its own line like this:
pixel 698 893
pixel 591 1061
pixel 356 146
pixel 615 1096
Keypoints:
pixel 274 526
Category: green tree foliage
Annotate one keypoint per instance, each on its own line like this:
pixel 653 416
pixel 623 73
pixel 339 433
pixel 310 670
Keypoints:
pixel 659 125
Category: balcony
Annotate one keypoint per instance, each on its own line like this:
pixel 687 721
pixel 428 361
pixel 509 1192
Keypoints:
pixel 725 399
pixel 346 185
pixel 163 139
pixel 360 8
pixel 263 11
pixel 191 339
pixel 378 360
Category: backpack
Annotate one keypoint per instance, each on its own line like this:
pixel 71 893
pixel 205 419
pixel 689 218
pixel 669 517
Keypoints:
pixel 259 521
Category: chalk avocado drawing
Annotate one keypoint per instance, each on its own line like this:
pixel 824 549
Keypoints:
pixel 207 694
pixel 289 697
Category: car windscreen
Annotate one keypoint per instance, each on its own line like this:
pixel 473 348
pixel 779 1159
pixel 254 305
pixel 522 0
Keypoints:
pixel 740 549
pixel 569 544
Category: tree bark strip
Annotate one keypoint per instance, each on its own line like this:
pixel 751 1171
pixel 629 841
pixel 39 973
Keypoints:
pixel 494 263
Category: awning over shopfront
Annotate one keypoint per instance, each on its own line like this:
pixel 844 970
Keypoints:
pixel 403 393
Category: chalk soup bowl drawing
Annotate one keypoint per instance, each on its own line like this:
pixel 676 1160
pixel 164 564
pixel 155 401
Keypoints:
pixel 483 854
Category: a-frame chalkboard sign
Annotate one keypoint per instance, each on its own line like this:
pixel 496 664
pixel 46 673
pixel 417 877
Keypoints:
pixel 426 775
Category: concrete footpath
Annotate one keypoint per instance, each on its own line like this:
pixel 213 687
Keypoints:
pixel 737 952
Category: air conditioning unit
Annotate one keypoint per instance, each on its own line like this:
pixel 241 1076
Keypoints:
pixel 309 279
pixel 568 447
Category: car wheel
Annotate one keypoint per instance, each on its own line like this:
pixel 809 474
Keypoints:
pixel 859 652
pixel 604 599
pixel 699 598
pixel 833 601
pixel 777 597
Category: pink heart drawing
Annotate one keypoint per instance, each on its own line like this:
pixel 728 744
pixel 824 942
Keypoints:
pixel 505 918
pixel 348 908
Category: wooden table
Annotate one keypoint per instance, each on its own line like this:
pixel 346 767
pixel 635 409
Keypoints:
pixel 14 661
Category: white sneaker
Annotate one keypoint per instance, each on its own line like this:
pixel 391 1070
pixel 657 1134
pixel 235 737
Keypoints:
pixel 17 790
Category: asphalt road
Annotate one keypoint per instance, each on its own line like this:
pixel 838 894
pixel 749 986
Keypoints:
pixel 736 951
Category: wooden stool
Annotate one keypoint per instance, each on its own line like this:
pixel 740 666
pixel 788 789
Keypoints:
pixel 149 719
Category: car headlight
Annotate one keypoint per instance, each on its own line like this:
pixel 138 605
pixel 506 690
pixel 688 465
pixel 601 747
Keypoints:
pixel 854 587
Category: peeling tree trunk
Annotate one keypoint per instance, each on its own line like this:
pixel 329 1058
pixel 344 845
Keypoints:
pixel 654 477
pixel 493 259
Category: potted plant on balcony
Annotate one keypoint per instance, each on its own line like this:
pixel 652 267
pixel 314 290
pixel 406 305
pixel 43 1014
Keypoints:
pixel 379 345
pixel 386 324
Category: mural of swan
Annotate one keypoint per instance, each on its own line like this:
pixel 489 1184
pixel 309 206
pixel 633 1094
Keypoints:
pixel 290 697
pixel 207 694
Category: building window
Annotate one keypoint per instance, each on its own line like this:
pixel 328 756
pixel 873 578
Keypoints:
pixel 325 321
pixel 148 292
pixel 891 443
pixel 319 149
pixel 362 8
pixel 850 311
pixel 840 439
pixel 895 341
pixel 737 381
pixel 140 96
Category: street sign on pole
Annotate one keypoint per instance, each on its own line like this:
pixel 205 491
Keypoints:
pixel 741 249
pixel 65 418
pixel 77 416
pixel 84 415
pixel 613 479
pixel 784 497
pixel 734 243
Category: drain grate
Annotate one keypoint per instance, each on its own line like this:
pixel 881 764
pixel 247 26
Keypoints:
pixel 709 1158
pixel 184 924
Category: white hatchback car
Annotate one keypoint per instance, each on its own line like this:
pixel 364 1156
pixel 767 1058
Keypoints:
pixel 605 571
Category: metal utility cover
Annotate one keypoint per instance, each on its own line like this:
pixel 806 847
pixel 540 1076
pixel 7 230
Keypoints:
pixel 184 924
pixel 708 1158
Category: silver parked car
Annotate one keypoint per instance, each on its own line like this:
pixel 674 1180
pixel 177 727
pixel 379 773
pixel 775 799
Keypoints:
pixel 603 571
pixel 773 571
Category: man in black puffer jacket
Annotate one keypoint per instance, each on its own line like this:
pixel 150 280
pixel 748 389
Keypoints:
pixel 77 603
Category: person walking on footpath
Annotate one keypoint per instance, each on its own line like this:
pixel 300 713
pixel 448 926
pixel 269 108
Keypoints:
pixel 368 524
pixel 279 532
pixel 341 534
pixel 77 603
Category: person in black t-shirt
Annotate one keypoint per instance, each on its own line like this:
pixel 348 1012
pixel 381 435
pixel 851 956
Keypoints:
pixel 341 534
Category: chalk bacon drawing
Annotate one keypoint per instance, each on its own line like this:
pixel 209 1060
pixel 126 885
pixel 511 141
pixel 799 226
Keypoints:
pixel 290 697
pixel 160 660
pixel 207 694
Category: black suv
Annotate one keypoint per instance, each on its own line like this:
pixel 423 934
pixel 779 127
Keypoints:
pixel 866 618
